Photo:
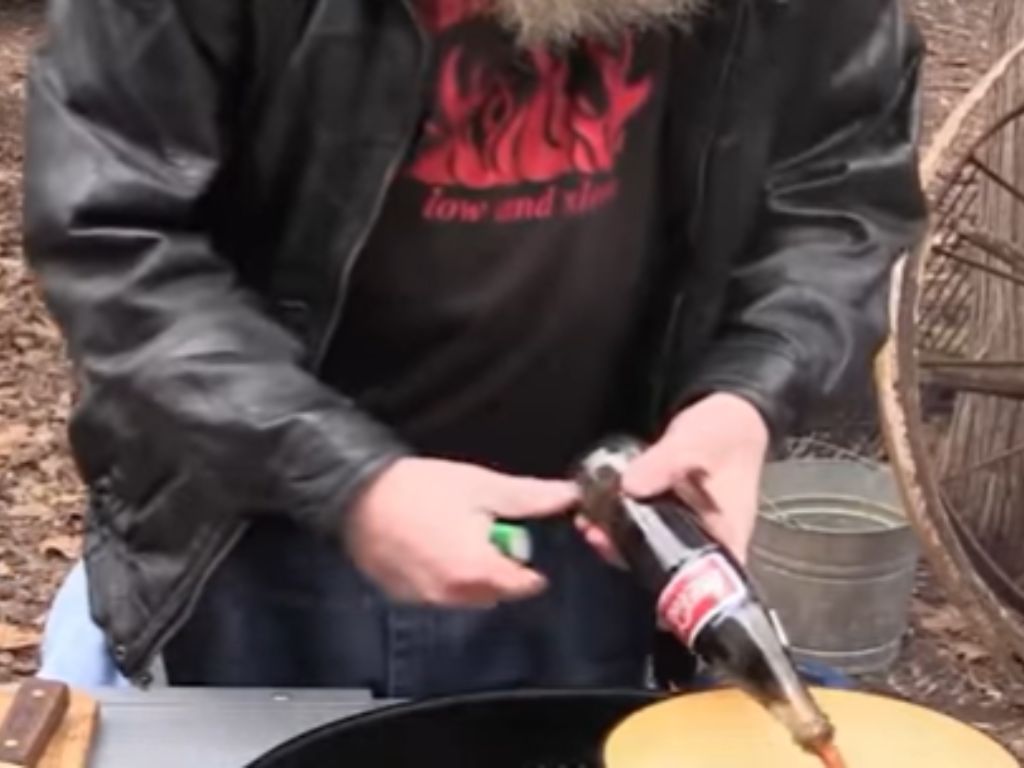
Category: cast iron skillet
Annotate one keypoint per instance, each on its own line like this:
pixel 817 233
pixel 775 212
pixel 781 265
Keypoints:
pixel 528 729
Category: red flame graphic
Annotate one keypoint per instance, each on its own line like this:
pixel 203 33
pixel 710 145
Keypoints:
pixel 439 15
pixel 484 135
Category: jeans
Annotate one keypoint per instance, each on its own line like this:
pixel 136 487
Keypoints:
pixel 288 610
pixel 74 650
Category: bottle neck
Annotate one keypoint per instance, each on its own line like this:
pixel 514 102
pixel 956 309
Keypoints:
pixel 746 646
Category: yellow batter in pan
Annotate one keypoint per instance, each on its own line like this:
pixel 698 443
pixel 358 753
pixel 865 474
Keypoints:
pixel 727 729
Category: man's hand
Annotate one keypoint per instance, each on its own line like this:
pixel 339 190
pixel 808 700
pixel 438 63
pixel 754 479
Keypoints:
pixel 420 532
pixel 711 457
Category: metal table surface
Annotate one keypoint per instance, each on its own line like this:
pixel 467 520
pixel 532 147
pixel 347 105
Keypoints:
pixel 176 727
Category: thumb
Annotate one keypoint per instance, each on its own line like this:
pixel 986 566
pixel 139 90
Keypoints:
pixel 521 498
pixel 652 473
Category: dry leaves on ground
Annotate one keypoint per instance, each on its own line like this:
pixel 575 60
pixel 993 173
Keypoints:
pixel 14 638
pixel 39 493
pixel 12 437
pixel 942 619
pixel 66 547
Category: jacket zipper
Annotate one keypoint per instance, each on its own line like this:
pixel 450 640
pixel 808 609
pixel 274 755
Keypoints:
pixel 394 166
pixel 145 678
pixel 732 53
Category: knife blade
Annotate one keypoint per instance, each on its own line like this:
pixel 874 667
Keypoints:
pixel 35 713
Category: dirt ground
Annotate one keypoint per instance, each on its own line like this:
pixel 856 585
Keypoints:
pixel 41 503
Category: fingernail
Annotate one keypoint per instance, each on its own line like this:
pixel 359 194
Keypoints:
pixel 535 586
pixel 597 539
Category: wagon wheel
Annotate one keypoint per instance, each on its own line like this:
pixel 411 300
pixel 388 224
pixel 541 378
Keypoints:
pixel 951 380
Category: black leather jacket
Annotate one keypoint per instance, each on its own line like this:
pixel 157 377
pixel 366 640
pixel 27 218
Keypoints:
pixel 201 176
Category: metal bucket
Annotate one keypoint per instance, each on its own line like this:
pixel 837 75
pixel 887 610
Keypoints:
pixel 836 558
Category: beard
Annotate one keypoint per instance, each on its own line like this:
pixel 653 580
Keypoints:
pixel 560 22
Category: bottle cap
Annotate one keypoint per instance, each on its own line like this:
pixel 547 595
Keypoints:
pixel 614 454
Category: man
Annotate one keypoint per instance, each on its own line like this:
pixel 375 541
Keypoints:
pixel 346 281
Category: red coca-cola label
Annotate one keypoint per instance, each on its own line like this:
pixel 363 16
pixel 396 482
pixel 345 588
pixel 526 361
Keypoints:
pixel 699 592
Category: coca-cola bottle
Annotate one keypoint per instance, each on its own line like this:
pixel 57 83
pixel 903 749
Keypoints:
pixel 705 598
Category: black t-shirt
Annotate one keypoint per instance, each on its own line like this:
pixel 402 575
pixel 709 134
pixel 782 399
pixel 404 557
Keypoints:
pixel 495 300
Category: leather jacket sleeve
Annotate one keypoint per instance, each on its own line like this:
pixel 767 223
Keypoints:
pixel 807 304
pixel 185 379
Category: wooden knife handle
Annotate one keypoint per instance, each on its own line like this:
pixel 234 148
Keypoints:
pixel 38 708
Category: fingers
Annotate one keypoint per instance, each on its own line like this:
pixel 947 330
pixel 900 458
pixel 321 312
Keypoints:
pixel 652 474
pixel 734 525
pixel 490 580
pixel 661 470
pixel 525 498
pixel 512 581
pixel 692 488
pixel 600 542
